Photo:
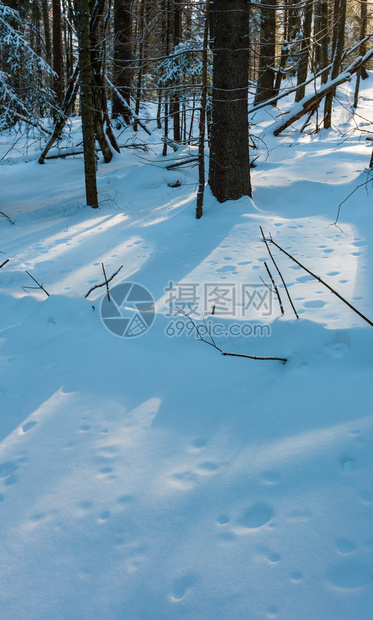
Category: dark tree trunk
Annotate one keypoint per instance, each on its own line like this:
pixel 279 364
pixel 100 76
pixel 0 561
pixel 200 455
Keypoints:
pixel 86 102
pixel 123 71
pixel 304 51
pixel 202 119
pixel 57 51
pixel 324 42
pixel 362 50
pixel 338 51
pixel 229 173
pixel 175 100
pixel 266 78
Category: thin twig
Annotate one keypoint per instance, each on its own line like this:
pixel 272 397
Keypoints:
pixel 322 282
pixel 275 287
pixel 106 282
pixel 212 344
pixel 7 217
pixel 103 284
pixel 35 287
pixel 279 272
pixel 370 178
pixel 4 263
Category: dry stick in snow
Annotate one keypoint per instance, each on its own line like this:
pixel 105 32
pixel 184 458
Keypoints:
pixel 104 283
pixel 279 272
pixel 7 217
pixel 275 287
pixel 215 346
pixel 4 263
pixel 322 282
pixel 182 163
pixel 35 287
pixel 353 191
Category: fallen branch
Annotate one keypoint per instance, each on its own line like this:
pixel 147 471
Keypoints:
pixel 288 91
pixel 310 102
pixel 69 153
pixel 68 101
pixel 106 283
pixel 279 272
pixel 215 346
pixel 7 217
pixel 4 263
pixel 39 286
pixel 182 163
pixel 322 282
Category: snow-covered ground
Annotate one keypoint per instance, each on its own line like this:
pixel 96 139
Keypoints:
pixel 152 478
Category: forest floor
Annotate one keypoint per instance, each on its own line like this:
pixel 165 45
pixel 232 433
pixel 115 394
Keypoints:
pixel 150 477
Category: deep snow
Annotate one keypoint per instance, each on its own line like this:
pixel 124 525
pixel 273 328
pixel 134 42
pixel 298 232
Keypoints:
pixel 152 478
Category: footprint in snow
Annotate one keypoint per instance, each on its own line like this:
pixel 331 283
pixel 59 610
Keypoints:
pixel 349 575
pixel 255 517
pixel 345 546
pixel 348 465
pixel 28 426
pixel 316 303
pixel 183 586
pixel 7 469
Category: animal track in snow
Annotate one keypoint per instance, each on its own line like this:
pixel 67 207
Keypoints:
pixel 348 465
pixel 315 303
pixel 366 496
pixel 183 585
pixel 222 519
pixel 345 546
pixel 28 426
pixel 349 575
pixel 256 516
pixel 7 469
pixel 198 443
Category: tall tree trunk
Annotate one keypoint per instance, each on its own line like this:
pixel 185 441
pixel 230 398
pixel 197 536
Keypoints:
pixel 123 52
pixel 304 51
pixel 266 78
pixel 338 51
pixel 47 32
pixel 86 102
pixel 324 42
pixel 362 50
pixel 57 51
pixel 175 99
pixel 202 119
pixel 229 172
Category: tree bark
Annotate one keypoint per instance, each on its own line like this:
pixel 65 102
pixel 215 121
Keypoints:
pixel 305 50
pixel 123 72
pixel 266 78
pixel 229 172
pixel 57 51
pixel 86 102
pixel 338 51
